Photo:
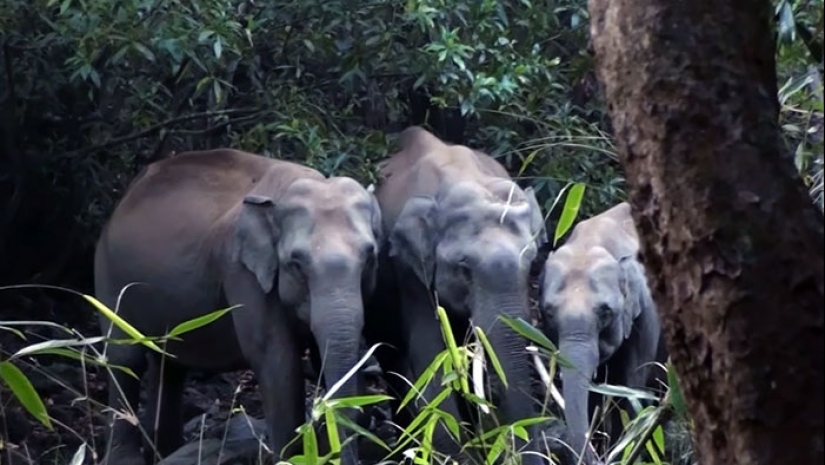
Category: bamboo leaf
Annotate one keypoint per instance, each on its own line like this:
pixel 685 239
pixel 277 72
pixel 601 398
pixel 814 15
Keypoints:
pixel 198 322
pixel 570 211
pixel 25 393
pixel 123 324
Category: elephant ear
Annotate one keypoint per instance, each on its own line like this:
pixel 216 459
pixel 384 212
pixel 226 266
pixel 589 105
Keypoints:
pixel 537 225
pixel 637 298
pixel 254 243
pixel 412 239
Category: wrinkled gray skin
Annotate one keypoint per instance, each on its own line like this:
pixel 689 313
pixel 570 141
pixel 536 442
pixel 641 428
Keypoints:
pixel 598 309
pixel 459 227
pixel 205 230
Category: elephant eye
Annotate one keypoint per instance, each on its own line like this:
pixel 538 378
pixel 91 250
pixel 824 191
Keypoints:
pixel 462 267
pixel 298 259
pixel 605 315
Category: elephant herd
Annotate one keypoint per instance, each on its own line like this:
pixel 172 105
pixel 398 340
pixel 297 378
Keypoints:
pixel 321 264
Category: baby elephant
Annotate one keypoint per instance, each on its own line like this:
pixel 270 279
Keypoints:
pixel 207 230
pixel 597 307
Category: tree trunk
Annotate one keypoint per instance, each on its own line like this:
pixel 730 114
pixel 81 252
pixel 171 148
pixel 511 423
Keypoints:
pixel 732 242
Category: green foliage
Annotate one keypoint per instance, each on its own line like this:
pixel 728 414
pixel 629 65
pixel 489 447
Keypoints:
pixel 103 87
pixel 800 71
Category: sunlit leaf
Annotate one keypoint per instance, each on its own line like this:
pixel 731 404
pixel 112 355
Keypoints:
pixel 459 362
pixel 123 324
pixel 79 456
pixel 198 322
pixel 622 391
pixel 44 346
pixel 570 211
pixel 332 431
pixel 358 401
pixel 310 443
pixel 534 335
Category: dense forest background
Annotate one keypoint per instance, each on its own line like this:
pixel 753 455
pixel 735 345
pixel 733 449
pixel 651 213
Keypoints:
pixel 92 91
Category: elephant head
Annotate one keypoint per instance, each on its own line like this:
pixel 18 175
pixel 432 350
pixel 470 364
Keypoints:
pixel 313 244
pixel 473 244
pixel 592 296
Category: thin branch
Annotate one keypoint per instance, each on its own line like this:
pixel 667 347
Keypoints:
pixel 213 128
pixel 157 128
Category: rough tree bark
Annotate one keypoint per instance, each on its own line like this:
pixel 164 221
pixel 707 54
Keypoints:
pixel 733 243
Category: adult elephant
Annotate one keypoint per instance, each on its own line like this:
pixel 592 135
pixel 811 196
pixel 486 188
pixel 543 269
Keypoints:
pixel 457 227
pixel 597 307
pixel 206 230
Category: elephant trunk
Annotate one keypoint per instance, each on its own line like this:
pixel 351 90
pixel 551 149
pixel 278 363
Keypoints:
pixel 583 354
pixel 509 348
pixel 515 402
pixel 337 320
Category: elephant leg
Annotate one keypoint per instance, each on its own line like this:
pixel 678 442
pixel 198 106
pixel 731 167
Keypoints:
pixel 281 382
pixel 270 345
pixel 125 439
pixel 164 407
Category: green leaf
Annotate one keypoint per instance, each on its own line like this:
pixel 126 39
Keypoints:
pixel 458 361
pixel 357 401
pixel 425 378
pixel 570 211
pixel 41 347
pixel 449 422
pixel 123 324
pixel 198 322
pixel 492 354
pixel 144 51
pixel 527 161
pixel 659 438
pixel 347 423
pixel 14 331
pixel 217 48
pixel 622 391
pixel 529 331
pixel 332 431
pixel 310 442
pixel 25 393
pixel 79 356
